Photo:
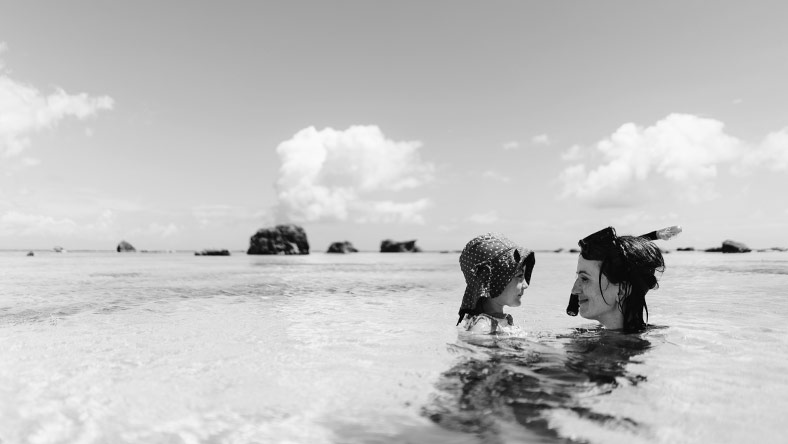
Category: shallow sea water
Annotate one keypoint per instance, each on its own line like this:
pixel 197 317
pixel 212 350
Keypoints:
pixel 362 348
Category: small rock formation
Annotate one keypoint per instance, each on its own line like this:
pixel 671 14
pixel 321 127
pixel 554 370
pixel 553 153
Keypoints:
pixel 558 250
pixel 30 253
pixel 685 249
pixel 574 250
pixel 212 253
pixel 281 239
pixel 342 247
pixel 389 246
pixel 729 246
pixel 58 249
pixel 125 247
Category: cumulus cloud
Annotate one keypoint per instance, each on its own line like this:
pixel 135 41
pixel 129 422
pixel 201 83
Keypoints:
pixel 25 110
pixel 331 175
pixel 511 145
pixel 541 139
pixel 772 152
pixel 684 151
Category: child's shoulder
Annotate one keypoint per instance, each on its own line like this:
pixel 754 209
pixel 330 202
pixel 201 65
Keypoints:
pixel 485 324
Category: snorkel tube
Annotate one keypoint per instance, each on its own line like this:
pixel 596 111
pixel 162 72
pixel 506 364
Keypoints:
pixel 662 234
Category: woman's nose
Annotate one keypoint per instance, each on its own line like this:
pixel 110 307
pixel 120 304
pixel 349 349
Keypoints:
pixel 576 287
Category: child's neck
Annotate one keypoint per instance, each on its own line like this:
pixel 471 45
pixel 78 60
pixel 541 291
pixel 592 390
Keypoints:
pixel 493 308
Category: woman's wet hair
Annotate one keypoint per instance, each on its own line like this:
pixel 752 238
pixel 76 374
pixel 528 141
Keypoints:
pixel 631 262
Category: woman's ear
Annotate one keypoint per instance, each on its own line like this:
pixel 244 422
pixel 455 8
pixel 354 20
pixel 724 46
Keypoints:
pixel 623 292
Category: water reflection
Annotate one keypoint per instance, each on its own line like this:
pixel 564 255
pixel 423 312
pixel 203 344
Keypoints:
pixel 498 383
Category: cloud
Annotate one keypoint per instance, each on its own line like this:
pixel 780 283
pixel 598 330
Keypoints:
pixel 541 139
pixel 214 216
pixel 15 223
pixel 158 230
pixel 21 224
pixel 25 110
pixel 394 212
pixel 494 175
pixel 331 175
pixel 573 154
pixel 102 226
pixel 772 152
pixel 487 218
pixel 511 145
pixel 683 151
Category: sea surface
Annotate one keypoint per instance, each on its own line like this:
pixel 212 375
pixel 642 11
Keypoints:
pixel 99 347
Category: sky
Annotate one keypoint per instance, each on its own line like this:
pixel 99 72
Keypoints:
pixel 190 125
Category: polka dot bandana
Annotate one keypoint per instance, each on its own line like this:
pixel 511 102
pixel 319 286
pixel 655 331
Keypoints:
pixel 488 263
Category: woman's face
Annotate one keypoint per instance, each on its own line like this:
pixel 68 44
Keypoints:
pixel 592 303
pixel 513 292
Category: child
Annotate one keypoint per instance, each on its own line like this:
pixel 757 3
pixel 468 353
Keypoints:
pixel 496 271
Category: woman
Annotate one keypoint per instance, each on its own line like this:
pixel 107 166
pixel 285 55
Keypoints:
pixel 614 273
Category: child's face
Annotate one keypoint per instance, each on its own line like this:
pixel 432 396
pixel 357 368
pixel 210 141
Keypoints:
pixel 513 292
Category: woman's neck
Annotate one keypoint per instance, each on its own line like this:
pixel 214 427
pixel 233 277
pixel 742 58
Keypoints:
pixel 612 320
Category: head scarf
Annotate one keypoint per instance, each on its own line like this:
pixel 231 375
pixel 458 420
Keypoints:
pixel 488 263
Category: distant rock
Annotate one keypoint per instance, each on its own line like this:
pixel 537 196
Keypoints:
pixel 30 253
pixel 58 249
pixel 342 247
pixel 773 249
pixel 281 239
pixel 212 253
pixel 685 249
pixel 389 246
pixel 729 246
pixel 574 250
pixel 125 247
pixel 558 250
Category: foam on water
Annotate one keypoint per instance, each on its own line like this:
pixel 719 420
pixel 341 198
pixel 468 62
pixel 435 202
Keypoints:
pixel 98 347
